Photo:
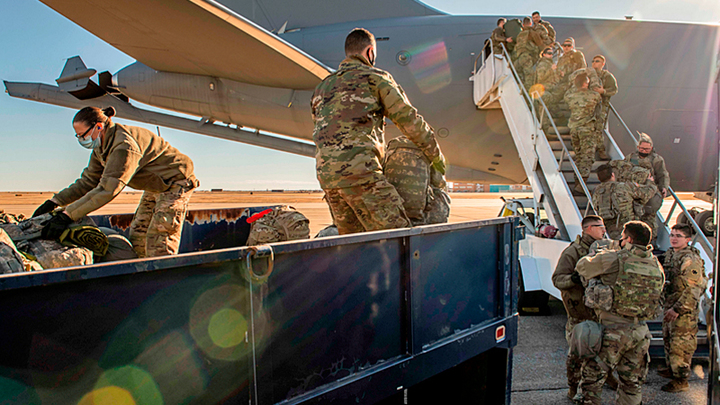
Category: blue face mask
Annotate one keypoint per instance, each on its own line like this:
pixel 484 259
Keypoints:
pixel 88 142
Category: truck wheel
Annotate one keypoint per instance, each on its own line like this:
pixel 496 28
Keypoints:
pixel 532 302
pixel 706 222
pixel 682 218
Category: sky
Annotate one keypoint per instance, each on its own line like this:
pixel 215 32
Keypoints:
pixel 40 154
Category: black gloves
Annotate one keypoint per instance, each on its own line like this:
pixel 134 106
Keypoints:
pixel 575 277
pixel 56 226
pixel 46 207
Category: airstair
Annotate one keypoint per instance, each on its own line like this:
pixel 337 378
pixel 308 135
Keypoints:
pixel 544 147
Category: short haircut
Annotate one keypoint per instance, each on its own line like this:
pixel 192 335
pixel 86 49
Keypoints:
pixel 535 12
pixel 527 20
pixel 590 219
pixel 501 20
pixel 604 173
pixel 357 40
pixel 570 40
pixel 581 79
pixel 639 232
pixel 599 57
pixel 684 228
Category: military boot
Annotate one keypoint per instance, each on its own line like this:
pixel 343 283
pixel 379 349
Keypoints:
pixel 665 372
pixel 676 385
pixel 611 382
pixel 572 391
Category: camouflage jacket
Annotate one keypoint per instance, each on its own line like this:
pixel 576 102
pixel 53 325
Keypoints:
pixel 524 44
pixel 686 281
pixel 349 109
pixel 655 163
pixel 609 83
pixel 128 156
pixel 550 30
pixel 606 266
pixel 614 200
pixel 583 105
pixel 539 35
pixel 545 74
pixel 570 62
pixel 592 75
pixel 571 293
pixel 498 37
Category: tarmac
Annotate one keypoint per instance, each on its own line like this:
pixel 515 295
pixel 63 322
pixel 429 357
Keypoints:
pixel 539 377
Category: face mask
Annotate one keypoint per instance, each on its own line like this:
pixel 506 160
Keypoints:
pixel 89 143
pixel 371 59
pixel 643 155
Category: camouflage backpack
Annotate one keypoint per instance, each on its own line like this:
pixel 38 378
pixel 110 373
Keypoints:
pixel 406 167
pixel 598 295
pixel 622 169
pixel 280 224
pixel 586 341
pixel 437 210
pixel 636 293
pixel 605 201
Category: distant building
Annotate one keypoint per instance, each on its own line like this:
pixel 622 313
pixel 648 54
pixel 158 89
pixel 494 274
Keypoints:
pixel 465 187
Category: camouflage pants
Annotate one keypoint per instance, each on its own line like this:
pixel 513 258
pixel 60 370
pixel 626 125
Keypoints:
pixel 584 143
pixel 625 349
pixel 680 339
pixel 573 363
pixel 650 213
pixel 524 67
pixel 601 123
pixel 157 225
pixel 368 207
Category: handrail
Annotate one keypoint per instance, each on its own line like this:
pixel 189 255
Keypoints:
pixel 537 126
pixel 665 221
pixel 488 43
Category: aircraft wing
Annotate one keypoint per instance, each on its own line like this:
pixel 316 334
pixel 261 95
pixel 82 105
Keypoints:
pixel 199 37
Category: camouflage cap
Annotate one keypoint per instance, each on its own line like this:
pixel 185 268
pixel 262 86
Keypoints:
pixel 643 137
pixel 570 40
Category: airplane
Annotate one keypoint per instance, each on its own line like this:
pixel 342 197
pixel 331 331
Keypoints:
pixel 247 69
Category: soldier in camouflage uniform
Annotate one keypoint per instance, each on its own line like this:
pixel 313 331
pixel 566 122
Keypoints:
pixel 614 201
pixel 583 105
pixel 349 109
pixel 525 54
pixel 645 156
pixel 686 283
pixel 127 156
pixel 546 76
pixel 609 88
pixel 570 61
pixel 498 37
pixel 549 30
pixel 636 279
pixel 567 280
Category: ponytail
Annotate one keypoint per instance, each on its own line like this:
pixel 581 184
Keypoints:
pixel 92 115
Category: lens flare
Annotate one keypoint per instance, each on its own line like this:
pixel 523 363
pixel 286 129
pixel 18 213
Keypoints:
pixel 137 382
pixel 430 66
pixel 111 395
pixel 227 328
pixel 537 90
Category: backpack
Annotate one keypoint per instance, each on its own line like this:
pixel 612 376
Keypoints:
pixel 605 201
pixel 586 341
pixel 279 224
pixel 408 170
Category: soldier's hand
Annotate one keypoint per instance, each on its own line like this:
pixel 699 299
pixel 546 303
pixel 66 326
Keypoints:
pixel 46 207
pixel 599 90
pixel 439 163
pixel 575 277
pixel 509 39
pixel 663 191
pixel 670 315
pixel 56 226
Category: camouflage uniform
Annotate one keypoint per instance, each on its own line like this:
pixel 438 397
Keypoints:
pixel 498 37
pixel 140 159
pixel 614 202
pixel 545 76
pixel 636 278
pixel 549 30
pixel 568 63
pixel 524 57
pixel 609 83
pixel 349 109
pixel 572 297
pixel 686 283
pixel 281 224
pixel 157 225
pixel 583 104
pixel 656 165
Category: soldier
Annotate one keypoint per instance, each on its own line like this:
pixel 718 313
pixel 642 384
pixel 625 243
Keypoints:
pixel 646 157
pixel 349 109
pixel 545 73
pixel 570 61
pixel 614 201
pixel 537 22
pixel 567 280
pixel 582 103
pixel 498 37
pixel 525 54
pixel 609 88
pixel 686 283
pixel 636 279
pixel 124 155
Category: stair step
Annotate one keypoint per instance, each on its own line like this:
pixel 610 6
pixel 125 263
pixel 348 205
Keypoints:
pixel 593 179
pixel 566 167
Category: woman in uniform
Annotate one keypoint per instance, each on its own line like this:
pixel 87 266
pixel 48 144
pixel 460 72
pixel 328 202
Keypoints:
pixel 127 156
